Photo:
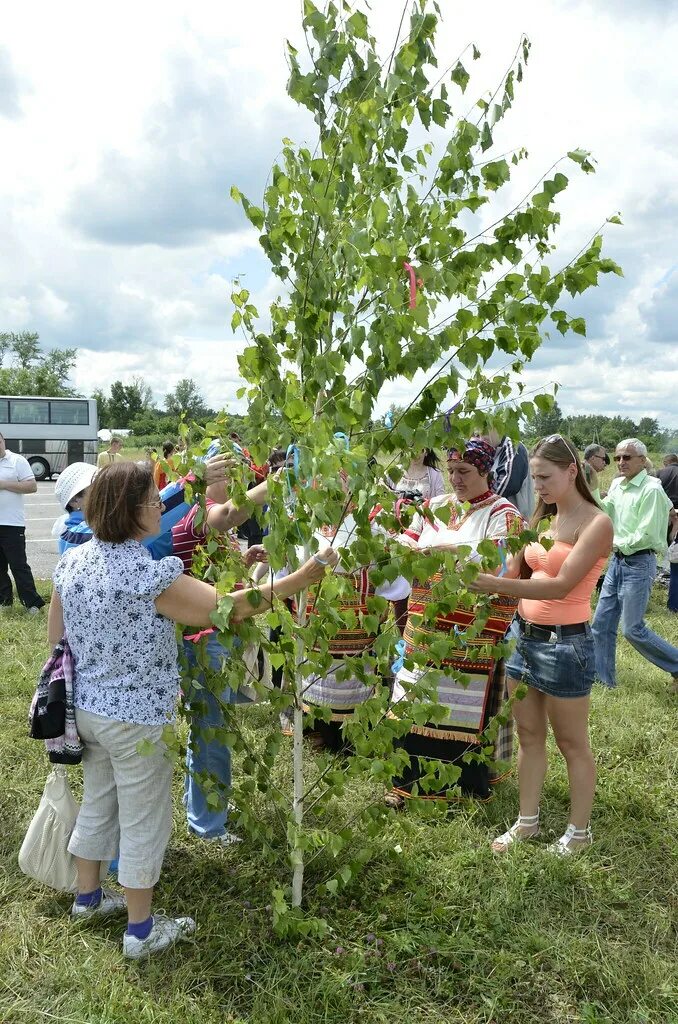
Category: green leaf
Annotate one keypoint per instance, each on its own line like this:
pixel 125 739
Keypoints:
pixel 379 214
pixel 256 216
pixel 358 25
pixel 495 174
pixel 460 76
pixel 486 137
pixel 146 747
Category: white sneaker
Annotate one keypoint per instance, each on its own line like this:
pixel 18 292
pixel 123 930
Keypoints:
pixel 111 903
pixel 33 611
pixel 164 933
pixel 226 839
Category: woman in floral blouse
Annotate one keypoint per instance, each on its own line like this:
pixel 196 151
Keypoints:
pixel 117 608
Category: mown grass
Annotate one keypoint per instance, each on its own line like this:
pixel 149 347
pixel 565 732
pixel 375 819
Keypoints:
pixel 443 932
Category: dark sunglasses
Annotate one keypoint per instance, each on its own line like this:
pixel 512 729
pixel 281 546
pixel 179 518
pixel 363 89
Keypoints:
pixel 626 458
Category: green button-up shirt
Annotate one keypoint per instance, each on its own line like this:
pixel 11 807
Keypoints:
pixel 639 510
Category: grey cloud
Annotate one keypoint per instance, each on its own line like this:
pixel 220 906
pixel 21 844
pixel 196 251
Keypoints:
pixel 11 87
pixel 196 146
pixel 660 314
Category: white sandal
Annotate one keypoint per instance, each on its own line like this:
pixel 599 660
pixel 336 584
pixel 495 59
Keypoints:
pixel 565 846
pixel 502 843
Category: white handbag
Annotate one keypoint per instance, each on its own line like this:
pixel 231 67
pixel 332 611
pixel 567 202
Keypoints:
pixel 673 552
pixel 44 852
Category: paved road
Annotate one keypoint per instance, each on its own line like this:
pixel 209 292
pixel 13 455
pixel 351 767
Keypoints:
pixel 42 509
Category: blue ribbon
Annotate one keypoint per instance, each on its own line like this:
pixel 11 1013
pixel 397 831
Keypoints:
pixel 400 660
pixel 388 420
pixel 342 437
pixel 502 555
pixel 293 454
pixel 447 423
pixel 461 637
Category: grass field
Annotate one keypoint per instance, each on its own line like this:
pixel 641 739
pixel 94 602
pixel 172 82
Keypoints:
pixel 444 933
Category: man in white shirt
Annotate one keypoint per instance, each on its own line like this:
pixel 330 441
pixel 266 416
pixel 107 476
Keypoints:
pixel 16 479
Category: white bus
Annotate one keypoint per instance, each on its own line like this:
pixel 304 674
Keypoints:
pixel 50 432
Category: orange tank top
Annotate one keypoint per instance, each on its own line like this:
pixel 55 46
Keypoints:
pixel 575 606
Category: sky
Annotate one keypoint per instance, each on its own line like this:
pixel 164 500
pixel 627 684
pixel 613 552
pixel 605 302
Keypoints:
pixel 122 130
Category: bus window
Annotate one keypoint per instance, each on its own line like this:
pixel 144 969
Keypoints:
pixel 4 410
pixel 27 410
pixel 69 413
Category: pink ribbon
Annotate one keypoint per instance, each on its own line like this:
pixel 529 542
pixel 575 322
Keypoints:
pixel 198 636
pixel 413 284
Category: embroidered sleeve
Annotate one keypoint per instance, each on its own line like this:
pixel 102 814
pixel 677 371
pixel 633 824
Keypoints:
pixel 504 519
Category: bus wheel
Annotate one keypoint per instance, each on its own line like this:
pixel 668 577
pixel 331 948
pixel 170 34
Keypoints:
pixel 40 468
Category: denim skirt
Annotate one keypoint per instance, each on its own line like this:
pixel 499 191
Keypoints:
pixel 564 667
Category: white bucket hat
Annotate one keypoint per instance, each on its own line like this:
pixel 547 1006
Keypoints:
pixel 74 479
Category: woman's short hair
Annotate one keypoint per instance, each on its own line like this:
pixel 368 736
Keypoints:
pixel 112 503
pixel 167 449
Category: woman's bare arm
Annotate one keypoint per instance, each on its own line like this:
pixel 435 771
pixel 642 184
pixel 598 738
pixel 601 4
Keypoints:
pixel 55 620
pixel 192 602
pixel 226 516
pixel 594 543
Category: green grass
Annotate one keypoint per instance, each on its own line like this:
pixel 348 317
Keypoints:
pixel 465 936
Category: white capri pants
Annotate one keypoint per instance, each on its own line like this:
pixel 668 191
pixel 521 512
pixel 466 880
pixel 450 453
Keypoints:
pixel 126 809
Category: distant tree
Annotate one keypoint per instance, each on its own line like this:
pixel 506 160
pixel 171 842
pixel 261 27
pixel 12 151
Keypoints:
pixel 154 421
pixel 186 400
pixel 30 371
pixel 547 421
pixel 127 401
pixel 649 428
pixel 102 407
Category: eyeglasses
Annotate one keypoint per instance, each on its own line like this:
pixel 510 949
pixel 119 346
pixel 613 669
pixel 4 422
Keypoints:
pixel 626 458
pixel 152 504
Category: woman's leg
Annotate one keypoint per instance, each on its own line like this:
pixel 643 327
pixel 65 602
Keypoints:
pixel 144 786
pixel 570 723
pixel 95 836
pixel 531 724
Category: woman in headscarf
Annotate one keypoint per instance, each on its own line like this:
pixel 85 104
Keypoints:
pixel 475 514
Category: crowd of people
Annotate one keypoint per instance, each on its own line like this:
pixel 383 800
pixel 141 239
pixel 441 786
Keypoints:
pixel 127 574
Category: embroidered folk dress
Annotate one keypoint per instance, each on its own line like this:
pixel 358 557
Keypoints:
pixel 471 707
pixel 331 688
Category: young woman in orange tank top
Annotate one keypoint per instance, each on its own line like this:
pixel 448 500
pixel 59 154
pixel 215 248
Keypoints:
pixel 554 647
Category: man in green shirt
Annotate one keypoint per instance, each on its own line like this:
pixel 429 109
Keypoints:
pixel 640 512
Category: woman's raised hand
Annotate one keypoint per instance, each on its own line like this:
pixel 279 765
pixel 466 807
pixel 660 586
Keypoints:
pixel 317 565
pixel 255 553
pixel 218 469
pixel 484 583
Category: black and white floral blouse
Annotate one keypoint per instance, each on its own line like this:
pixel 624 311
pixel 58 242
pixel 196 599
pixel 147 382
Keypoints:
pixel 125 653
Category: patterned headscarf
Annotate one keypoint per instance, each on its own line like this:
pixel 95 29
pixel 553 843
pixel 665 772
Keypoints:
pixel 477 453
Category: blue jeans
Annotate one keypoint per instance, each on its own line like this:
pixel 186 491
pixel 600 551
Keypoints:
pixel 673 588
pixel 208 756
pixel 624 595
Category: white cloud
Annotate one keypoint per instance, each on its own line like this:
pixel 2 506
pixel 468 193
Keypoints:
pixel 124 129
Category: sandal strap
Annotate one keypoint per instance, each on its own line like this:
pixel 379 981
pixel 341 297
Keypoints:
pixel 527 819
pixel 562 845
pixel 513 835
